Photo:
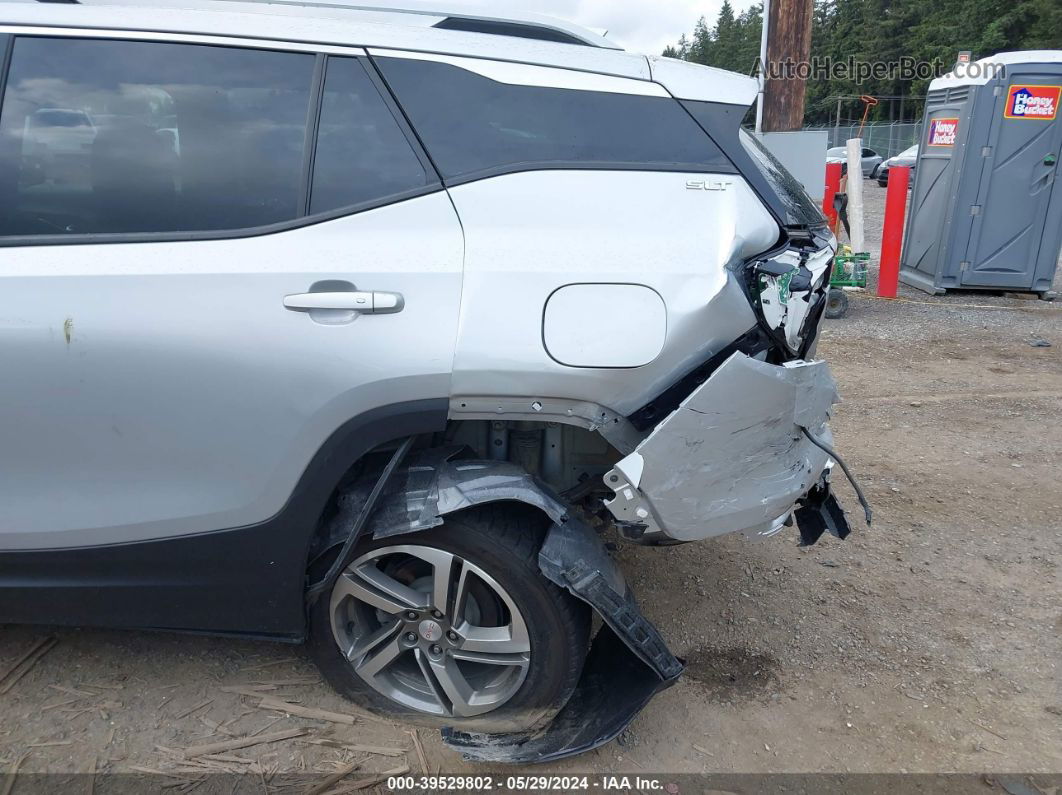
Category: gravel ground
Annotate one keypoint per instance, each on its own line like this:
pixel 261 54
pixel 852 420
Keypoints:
pixel 929 643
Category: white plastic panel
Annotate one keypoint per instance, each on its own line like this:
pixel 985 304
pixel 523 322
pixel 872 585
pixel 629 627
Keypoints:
pixel 579 328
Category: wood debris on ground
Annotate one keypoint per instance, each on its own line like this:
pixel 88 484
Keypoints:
pixel 196 708
pixel 333 779
pixel 356 748
pixel 306 712
pixel 420 752
pixel 242 742
pixel 294 682
pixel 270 664
pixel 25 663
pixel 379 779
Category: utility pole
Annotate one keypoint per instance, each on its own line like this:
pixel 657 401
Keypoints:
pixel 764 33
pixel 788 38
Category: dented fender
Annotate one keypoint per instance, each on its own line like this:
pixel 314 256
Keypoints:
pixel 732 457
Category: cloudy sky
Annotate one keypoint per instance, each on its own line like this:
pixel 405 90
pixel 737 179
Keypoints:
pixel 641 25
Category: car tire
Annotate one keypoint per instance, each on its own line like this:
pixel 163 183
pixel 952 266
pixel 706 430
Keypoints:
pixel 883 183
pixel 501 542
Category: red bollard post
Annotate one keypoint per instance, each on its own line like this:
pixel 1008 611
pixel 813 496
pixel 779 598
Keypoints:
pixel 833 187
pixel 892 233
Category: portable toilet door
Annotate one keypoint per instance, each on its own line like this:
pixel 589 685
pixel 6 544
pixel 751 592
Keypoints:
pixel 929 260
pixel 1003 226
pixel 1017 229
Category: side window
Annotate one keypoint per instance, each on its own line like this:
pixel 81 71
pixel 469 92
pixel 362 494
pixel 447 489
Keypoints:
pixel 100 136
pixel 472 124
pixel 362 154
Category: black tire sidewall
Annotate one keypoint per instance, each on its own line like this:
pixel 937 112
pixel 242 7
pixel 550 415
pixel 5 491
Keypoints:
pixel 558 627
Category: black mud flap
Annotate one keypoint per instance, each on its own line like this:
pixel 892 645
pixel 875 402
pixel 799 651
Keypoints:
pixel 819 513
pixel 628 664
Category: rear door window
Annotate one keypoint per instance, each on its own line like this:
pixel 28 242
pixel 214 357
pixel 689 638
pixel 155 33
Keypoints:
pixel 362 153
pixel 100 137
pixel 473 125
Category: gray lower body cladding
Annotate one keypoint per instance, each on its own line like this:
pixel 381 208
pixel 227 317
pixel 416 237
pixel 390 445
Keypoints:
pixel 732 457
pixel 629 662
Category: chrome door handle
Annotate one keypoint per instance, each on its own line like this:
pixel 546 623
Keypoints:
pixel 377 303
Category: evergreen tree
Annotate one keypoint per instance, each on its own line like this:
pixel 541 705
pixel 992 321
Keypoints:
pixel 881 31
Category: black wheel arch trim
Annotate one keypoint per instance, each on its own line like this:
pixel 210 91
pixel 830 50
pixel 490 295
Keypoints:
pixel 629 661
pixel 246 581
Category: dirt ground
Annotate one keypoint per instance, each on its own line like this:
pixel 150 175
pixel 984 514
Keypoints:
pixel 929 643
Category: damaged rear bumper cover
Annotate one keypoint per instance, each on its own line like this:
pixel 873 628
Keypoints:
pixel 732 458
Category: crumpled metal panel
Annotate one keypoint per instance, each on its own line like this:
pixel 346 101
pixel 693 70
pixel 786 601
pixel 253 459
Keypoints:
pixel 732 456
pixel 435 483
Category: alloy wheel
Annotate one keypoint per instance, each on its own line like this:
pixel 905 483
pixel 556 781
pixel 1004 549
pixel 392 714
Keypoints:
pixel 430 631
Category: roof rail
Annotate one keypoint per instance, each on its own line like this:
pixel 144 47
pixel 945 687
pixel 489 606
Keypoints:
pixel 520 30
pixel 470 18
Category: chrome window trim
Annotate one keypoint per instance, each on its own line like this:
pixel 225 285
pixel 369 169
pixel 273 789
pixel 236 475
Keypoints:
pixel 181 38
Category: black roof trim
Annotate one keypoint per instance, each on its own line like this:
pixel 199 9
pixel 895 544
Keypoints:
pixel 518 30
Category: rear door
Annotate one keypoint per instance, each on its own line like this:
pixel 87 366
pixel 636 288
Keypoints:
pixel 1016 183
pixel 211 258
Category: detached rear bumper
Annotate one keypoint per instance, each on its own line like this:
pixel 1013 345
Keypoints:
pixel 732 457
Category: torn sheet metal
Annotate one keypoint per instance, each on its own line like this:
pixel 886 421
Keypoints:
pixel 629 661
pixel 732 457
pixel 438 482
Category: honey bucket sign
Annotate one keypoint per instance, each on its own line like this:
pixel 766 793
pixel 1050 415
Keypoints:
pixel 1032 102
pixel 943 132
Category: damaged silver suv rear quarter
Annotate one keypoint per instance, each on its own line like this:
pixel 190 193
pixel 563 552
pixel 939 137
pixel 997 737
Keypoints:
pixel 732 457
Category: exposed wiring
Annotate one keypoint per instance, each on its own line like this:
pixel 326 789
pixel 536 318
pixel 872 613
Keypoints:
pixel 851 478
pixel 359 524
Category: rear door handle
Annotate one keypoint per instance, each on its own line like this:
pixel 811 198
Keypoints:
pixel 376 303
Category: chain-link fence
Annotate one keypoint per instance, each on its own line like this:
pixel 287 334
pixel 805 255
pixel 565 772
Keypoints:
pixel 887 139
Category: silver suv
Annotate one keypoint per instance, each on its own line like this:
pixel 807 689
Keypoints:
pixel 363 326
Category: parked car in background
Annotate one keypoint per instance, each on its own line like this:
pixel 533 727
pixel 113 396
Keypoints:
pixel 839 154
pixel 908 157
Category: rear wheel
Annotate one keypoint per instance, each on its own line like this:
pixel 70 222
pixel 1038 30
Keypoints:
pixel 454 626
